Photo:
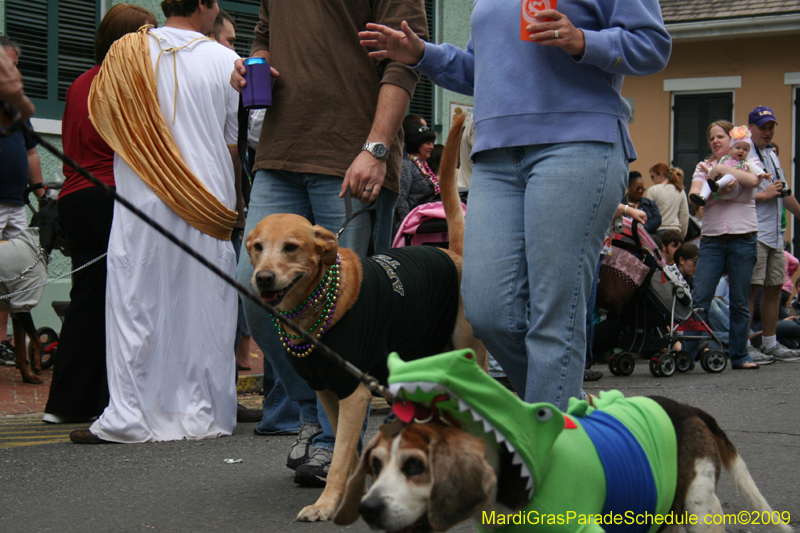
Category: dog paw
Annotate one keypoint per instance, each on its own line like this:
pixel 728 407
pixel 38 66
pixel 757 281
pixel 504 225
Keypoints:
pixel 315 513
pixel 32 379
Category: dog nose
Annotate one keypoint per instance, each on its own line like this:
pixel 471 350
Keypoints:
pixel 370 509
pixel 265 278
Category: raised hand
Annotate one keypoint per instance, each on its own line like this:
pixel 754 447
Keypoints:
pixel 403 46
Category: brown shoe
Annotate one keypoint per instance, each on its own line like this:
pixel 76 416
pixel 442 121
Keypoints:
pixel 243 414
pixel 84 436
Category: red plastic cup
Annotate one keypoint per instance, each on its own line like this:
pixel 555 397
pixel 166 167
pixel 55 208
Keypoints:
pixel 529 9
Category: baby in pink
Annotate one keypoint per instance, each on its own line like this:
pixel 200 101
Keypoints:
pixel 737 158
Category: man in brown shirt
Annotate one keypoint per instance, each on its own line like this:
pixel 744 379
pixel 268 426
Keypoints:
pixel 334 124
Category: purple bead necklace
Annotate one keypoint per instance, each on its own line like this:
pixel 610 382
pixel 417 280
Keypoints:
pixel 324 296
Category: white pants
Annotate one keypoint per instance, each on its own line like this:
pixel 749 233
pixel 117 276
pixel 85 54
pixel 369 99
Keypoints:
pixel 12 220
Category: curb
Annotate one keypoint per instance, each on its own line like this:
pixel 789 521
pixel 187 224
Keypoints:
pixel 250 384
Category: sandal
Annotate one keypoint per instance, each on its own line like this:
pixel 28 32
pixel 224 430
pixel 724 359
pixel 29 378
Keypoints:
pixel 744 366
pixel 85 436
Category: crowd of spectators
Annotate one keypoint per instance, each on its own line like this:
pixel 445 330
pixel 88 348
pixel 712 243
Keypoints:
pixel 736 270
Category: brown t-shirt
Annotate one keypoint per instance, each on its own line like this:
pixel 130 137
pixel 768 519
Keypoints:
pixel 325 99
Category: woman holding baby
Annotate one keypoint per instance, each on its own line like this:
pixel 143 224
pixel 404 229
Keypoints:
pixel 728 241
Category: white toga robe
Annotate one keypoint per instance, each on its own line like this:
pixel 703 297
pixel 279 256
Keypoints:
pixel 170 322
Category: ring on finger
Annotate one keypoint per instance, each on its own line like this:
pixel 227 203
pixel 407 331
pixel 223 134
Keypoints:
pixel 555 34
pixel 367 189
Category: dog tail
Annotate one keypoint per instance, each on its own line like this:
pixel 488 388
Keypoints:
pixel 449 188
pixel 737 469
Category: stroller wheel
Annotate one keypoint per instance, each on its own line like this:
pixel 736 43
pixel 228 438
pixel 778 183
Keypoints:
pixel 613 365
pixel 625 364
pixel 655 367
pixel 715 361
pixel 667 365
pixel 49 339
pixel 683 360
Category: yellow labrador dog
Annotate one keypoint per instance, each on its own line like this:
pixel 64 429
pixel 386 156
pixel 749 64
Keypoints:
pixel 405 301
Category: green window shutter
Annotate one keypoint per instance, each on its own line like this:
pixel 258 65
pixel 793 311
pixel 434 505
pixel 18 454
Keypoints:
pixel 76 31
pixel 27 24
pixel 57 41
pixel 422 103
pixel 692 113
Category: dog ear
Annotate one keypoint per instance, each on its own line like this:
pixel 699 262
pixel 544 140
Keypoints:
pixel 248 243
pixel 327 245
pixel 462 478
pixel 354 490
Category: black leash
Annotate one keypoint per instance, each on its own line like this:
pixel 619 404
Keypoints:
pixel 349 215
pixel 16 123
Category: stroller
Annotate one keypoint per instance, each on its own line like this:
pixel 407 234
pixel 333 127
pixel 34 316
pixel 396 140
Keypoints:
pixel 659 314
pixel 426 225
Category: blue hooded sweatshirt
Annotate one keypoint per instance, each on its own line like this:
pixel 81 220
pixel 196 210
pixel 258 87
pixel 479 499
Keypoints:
pixel 527 94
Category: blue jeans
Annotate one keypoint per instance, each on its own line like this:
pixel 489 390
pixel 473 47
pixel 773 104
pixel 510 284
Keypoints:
pixel 536 221
pixel 590 304
pixel 315 197
pixel 719 320
pixel 739 257
pixel 284 414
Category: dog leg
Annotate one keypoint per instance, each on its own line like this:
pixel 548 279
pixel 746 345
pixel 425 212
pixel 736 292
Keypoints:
pixel 350 420
pixel 20 351
pixel 27 323
pixel 464 338
pixel 330 403
pixel 701 497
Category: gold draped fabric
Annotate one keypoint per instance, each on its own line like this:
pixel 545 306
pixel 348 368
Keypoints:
pixel 124 108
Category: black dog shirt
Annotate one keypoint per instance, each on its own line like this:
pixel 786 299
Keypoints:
pixel 407 304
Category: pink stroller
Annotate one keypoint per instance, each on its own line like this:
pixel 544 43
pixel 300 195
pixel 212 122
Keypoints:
pixel 424 225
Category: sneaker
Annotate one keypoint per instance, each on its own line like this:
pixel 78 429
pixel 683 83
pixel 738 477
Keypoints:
pixel 759 357
pixel 779 352
pixel 591 375
pixel 7 355
pixel 301 449
pixel 50 418
pixel 314 472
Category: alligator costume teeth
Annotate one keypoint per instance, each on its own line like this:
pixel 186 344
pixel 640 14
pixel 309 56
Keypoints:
pixel 620 457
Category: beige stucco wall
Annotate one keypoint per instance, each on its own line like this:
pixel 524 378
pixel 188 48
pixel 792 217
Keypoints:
pixel 761 62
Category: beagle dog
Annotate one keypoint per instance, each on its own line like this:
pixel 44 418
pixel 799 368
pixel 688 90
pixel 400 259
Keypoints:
pixel 478 452
pixel 406 300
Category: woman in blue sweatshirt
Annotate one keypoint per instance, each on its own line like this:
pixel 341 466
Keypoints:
pixel 550 157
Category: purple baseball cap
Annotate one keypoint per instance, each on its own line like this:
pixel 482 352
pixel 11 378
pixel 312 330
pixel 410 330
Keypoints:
pixel 761 115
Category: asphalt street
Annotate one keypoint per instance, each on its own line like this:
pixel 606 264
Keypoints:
pixel 188 486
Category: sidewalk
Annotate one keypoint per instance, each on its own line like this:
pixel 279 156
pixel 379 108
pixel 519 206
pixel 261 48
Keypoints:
pixel 18 398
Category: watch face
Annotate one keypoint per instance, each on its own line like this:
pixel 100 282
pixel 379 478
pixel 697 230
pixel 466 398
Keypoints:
pixel 379 150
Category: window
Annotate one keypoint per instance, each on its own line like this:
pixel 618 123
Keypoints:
pixel 57 41
pixel 692 113
pixel 422 103
pixel 245 13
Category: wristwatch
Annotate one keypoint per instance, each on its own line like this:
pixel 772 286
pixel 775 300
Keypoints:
pixel 378 150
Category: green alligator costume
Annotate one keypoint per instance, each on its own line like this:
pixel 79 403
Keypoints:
pixel 616 461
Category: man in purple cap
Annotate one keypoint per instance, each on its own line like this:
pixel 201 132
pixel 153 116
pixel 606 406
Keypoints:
pixel 769 271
